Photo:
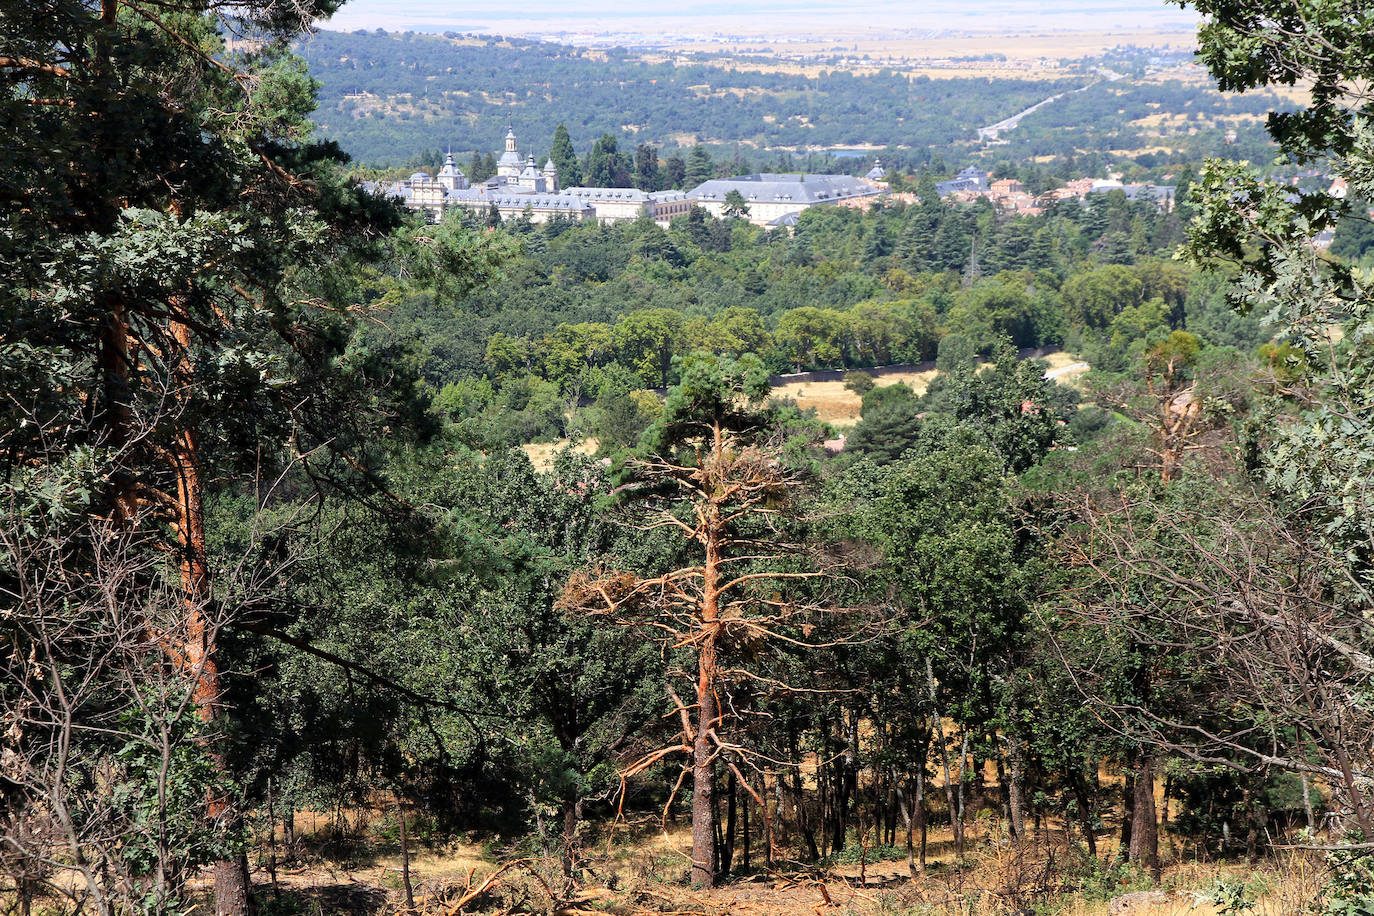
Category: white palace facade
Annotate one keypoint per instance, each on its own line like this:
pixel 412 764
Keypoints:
pixel 776 200
pixel 519 188
pixel 522 189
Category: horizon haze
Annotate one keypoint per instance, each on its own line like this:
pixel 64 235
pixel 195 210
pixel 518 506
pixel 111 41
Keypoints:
pixel 779 20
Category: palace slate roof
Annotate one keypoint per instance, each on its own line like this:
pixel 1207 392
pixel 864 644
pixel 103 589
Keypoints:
pixel 770 187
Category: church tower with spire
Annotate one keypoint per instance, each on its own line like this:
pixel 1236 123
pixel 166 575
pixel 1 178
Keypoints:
pixel 450 176
pixel 509 165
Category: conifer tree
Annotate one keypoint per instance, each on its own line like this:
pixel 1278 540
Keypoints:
pixel 712 474
pixel 565 158
pixel 175 255
pixel 674 172
pixel 699 167
pixel 648 174
pixel 606 167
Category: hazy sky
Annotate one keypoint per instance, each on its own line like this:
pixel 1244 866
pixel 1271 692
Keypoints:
pixel 783 17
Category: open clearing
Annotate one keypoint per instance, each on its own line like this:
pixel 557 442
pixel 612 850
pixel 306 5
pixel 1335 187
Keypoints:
pixel 543 454
pixel 840 407
pixel 836 404
pixel 833 402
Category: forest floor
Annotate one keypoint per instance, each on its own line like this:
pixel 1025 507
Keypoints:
pixel 644 871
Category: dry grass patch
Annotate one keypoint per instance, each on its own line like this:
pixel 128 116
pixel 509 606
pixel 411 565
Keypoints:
pixel 641 867
pixel 543 454
pixel 1066 368
pixel 836 404
pixel 840 407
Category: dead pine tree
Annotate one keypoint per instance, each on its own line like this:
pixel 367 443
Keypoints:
pixel 1182 405
pixel 716 478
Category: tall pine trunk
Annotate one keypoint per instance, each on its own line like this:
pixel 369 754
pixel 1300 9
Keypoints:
pixel 956 820
pixel 233 886
pixel 405 855
pixel 703 747
pixel 704 785
pixel 1082 802
pixel 1127 812
pixel 727 849
pixel 744 832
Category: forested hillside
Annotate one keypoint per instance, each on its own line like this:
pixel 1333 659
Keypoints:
pixel 386 97
pixel 290 622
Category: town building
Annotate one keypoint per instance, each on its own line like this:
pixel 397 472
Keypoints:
pixel 1009 196
pixel 972 179
pixel 777 199
pixel 1161 196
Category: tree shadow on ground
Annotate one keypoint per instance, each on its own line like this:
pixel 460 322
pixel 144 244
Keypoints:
pixel 348 898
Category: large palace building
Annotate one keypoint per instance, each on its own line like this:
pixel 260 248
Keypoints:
pixel 520 188
pixel 777 199
pixel 517 188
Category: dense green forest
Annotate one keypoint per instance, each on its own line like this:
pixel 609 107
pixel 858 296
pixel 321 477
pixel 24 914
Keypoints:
pixel 586 313
pixel 291 623
pixel 386 96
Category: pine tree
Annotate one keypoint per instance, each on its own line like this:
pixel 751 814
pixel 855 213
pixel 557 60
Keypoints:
pixel 700 168
pixel 710 459
pixel 674 172
pixel 565 159
pixel 735 205
pixel 174 307
pixel 606 166
pixel 648 175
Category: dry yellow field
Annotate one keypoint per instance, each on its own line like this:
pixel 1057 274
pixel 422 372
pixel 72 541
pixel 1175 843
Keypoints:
pixel 1015 45
pixel 1066 368
pixel 542 454
pixel 836 404
pixel 832 401
pixel 1141 151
